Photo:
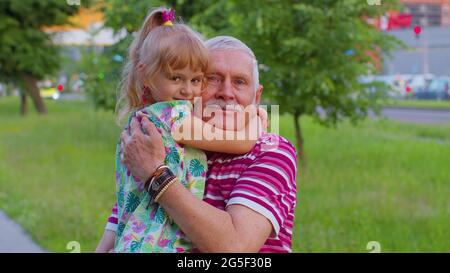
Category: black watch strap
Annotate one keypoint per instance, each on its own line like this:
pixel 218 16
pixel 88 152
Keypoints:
pixel 159 183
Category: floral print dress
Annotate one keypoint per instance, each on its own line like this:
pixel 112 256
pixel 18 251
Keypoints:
pixel 149 229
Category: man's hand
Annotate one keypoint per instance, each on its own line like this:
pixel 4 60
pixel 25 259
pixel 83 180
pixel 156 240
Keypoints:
pixel 142 153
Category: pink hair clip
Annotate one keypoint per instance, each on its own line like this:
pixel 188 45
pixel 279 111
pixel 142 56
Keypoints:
pixel 168 16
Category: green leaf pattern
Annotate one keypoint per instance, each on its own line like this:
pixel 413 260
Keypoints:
pixel 159 235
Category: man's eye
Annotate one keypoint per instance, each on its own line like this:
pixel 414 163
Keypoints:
pixel 240 82
pixel 213 79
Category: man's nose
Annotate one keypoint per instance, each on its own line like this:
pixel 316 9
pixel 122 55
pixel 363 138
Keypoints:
pixel 225 91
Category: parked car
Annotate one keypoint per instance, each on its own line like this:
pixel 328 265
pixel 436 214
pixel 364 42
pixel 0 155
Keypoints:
pixel 437 88
pixel 48 89
pixel 49 93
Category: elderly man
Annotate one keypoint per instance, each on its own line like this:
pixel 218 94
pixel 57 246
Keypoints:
pixel 249 200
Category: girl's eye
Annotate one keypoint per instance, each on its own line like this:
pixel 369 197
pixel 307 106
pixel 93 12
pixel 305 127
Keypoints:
pixel 196 80
pixel 176 78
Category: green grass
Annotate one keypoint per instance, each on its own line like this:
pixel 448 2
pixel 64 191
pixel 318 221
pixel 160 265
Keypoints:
pixel 380 181
pixel 57 172
pixel 432 104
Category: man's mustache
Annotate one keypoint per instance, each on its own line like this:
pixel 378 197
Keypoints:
pixel 232 106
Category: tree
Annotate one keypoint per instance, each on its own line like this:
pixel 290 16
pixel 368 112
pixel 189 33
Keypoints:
pixel 27 53
pixel 311 53
pixel 131 15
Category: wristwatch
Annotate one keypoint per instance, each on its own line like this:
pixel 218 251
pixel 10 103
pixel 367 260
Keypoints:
pixel 156 173
pixel 159 182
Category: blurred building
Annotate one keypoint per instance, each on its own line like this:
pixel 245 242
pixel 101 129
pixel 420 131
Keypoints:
pixel 430 50
pixel 85 29
pixel 85 32
pixel 429 53
pixel 428 12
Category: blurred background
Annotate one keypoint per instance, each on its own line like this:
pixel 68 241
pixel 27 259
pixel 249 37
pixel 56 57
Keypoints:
pixel 363 88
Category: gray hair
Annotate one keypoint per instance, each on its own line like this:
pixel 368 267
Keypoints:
pixel 228 42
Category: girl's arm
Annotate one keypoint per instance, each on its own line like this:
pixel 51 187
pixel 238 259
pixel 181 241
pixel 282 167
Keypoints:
pixel 107 242
pixel 196 133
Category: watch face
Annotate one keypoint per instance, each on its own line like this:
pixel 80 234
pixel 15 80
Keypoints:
pixel 155 185
pixel 158 172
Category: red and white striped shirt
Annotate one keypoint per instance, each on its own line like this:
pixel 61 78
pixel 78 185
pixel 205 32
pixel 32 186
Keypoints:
pixel 263 180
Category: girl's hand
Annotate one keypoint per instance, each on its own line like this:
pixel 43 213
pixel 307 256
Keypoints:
pixel 254 128
pixel 262 113
pixel 245 116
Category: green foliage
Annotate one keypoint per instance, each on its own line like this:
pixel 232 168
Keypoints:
pixel 311 52
pixel 25 49
pixel 131 15
pixel 101 74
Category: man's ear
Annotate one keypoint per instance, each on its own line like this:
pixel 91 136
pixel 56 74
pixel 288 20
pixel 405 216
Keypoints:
pixel 258 94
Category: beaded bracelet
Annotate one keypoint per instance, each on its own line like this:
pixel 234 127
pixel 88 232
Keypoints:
pixel 172 180
pixel 159 183
pixel 154 189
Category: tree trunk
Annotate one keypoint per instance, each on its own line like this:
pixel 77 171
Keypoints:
pixel 300 143
pixel 32 89
pixel 23 103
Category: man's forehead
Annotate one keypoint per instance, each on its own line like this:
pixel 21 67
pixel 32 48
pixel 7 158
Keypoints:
pixel 236 61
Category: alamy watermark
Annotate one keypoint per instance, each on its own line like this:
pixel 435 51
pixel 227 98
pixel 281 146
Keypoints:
pixel 73 2
pixel 227 122
pixel 374 247
pixel 74 247
pixel 374 2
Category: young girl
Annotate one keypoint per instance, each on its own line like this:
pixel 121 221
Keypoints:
pixel 164 74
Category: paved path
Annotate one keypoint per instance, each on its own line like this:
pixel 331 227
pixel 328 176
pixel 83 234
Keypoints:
pixel 416 115
pixel 14 239
pixel 410 114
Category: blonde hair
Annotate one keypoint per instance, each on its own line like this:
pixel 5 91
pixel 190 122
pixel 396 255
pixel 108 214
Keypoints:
pixel 155 48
